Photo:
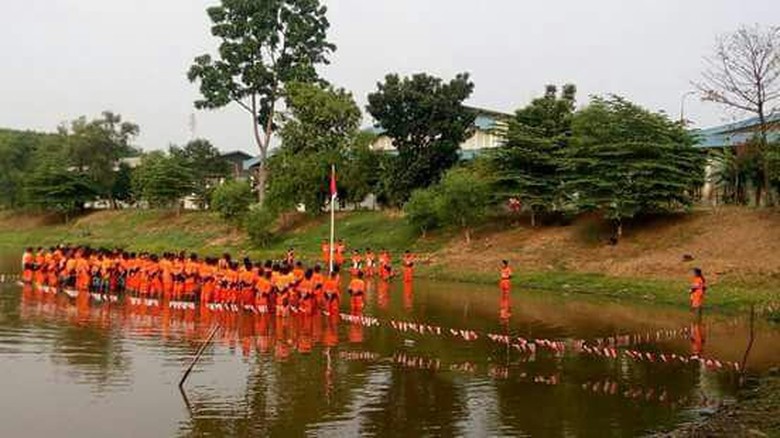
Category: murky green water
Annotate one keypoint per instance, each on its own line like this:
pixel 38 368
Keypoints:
pixel 79 367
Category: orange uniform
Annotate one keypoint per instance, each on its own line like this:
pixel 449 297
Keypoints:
pixel 506 279
pixel 357 290
pixel 698 289
pixel 331 295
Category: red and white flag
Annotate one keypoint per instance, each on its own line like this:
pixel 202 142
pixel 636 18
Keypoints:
pixel 333 190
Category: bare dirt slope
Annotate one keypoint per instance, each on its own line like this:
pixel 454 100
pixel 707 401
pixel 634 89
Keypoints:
pixel 733 242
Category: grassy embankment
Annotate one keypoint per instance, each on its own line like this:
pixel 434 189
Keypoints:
pixel 738 248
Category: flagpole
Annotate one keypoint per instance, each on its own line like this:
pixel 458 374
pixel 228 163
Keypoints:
pixel 332 215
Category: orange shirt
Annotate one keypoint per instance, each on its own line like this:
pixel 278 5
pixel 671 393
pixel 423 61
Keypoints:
pixel 506 273
pixel 357 285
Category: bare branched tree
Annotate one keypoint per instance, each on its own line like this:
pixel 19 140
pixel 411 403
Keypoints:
pixel 744 74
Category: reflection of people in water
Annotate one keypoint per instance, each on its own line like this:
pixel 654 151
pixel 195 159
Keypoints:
pixel 408 296
pixel 698 289
pixel 505 307
pixel 698 337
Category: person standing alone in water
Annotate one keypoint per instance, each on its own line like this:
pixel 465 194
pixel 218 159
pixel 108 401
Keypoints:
pixel 698 289
pixel 506 276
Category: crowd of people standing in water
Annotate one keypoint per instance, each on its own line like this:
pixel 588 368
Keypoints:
pixel 282 286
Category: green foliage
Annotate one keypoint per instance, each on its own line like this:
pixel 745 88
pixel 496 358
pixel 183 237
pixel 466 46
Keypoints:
pixel 206 166
pixel 232 199
pixel 734 174
pixel 94 147
pixel 320 128
pixel 17 149
pixel 122 189
pixel 625 160
pixel 773 164
pixel 421 211
pixel 264 45
pixel 463 198
pixel 360 174
pixel 52 186
pixel 162 180
pixel 427 122
pixel 531 160
pixel 259 223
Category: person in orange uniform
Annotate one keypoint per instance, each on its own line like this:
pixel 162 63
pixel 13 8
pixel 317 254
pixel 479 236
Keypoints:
pixel 340 249
pixel 506 276
pixel 331 293
pixel 357 291
pixel 28 265
pixel 318 281
pixel 408 262
pixel 247 279
pixel 385 265
pixel 370 263
pixel 263 292
pixel 698 290
pixel 207 274
pixel 357 263
pixel 290 258
pixel 325 251
pixel 306 293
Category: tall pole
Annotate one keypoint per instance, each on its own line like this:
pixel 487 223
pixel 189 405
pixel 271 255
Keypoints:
pixel 332 215
pixel 682 105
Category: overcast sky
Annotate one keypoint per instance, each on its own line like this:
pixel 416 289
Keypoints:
pixel 66 58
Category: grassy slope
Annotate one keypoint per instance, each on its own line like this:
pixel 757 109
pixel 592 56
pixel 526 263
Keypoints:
pixel 646 266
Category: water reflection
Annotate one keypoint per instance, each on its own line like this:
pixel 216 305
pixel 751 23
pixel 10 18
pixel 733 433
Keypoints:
pixel 320 375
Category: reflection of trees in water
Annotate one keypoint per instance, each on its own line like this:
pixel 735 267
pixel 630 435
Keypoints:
pixel 81 337
pixel 93 353
pixel 541 410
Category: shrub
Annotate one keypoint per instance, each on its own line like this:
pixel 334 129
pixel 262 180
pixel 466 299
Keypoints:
pixel 420 211
pixel 259 223
pixel 232 199
pixel 462 200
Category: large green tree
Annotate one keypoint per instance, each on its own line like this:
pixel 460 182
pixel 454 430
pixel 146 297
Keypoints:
pixel 427 122
pixel 264 45
pixel 162 180
pixel 17 152
pixel 531 160
pixel 206 167
pixel 320 126
pixel 625 160
pixel 94 147
pixel 52 186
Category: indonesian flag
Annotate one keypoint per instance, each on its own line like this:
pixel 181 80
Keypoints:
pixel 333 191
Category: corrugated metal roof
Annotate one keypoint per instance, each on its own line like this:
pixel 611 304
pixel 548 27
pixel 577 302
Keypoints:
pixel 733 134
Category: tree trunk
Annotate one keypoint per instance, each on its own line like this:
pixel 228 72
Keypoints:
pixel 262 144
pixel 261 177
pixel 768 198
pixel 467 232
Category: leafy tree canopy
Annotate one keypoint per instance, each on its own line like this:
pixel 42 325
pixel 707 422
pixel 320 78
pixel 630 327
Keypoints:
pixel 530 162
pixel 427 122
pixel 264 45
pixel 626 160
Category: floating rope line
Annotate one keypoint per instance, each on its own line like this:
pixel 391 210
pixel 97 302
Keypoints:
pixel 609 347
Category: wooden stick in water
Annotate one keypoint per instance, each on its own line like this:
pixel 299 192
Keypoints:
pixel 200 351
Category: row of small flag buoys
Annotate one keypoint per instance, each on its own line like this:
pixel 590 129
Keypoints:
pixel 641 338
pixel 149 302
pixel 182 305
pixel 9 278
pixel 632 392
pixel 365 321
pixel 102 298
pixel 713 364
pixel 359 356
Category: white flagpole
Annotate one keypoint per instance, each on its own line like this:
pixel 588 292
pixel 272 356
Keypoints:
pixel 332 218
